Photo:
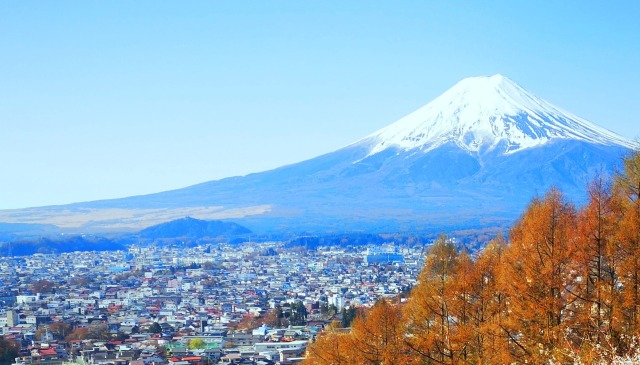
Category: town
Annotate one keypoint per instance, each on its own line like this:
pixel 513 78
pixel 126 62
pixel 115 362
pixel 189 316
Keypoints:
pixel 210 304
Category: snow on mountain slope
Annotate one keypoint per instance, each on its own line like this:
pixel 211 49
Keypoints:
pixel 480 114
pixel 467 159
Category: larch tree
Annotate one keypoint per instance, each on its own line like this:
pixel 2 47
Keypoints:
pixel 627 191
pixel 429 323
pixel 565 289
pixel 596 319
pixel 332 348
pixel 536 274
pixel 488 343
pixel 378 335
pixel 461 305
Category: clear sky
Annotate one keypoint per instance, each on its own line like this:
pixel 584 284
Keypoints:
pixel 105 99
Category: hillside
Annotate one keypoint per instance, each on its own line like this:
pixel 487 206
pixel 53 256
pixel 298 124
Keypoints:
pixel 191 228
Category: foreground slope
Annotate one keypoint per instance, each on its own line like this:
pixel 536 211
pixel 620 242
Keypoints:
pixel 472 157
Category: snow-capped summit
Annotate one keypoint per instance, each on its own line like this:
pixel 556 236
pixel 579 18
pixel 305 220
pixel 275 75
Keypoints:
pixel 481 114
pixel 473 157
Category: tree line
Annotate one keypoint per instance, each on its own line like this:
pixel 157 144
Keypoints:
pixel 564 288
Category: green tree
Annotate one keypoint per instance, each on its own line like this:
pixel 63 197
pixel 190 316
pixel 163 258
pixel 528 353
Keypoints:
pixel 348 315
pixel 298 315
pixel 324 309
pixel 155 328
pixel 196 343
pixel 8 350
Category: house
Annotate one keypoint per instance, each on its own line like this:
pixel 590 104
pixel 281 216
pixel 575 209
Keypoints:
pixel 261 331
pixel 292 334
pixel 288 355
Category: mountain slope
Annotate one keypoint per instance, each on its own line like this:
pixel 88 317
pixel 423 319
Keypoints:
pixel 472 157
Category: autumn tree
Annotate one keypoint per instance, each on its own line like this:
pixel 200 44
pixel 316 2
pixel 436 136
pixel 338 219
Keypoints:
pixel 536 275
pixel 566 288
pixel 429 323
pixel 79 280
pixel 332 348
pixel 596 319
pixel 78 334
pixel 44 286
pixel 489 343
pixel 39 333
pixel 60 329
pixel 627 191
pixel 249 321
pixel 454 315
pixel 99 331
pixel 378 335
pixel 461 306
pixel 274 317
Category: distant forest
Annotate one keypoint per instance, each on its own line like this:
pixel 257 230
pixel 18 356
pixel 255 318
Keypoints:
pixel 564 289
pixel 189 232
pixel 44 245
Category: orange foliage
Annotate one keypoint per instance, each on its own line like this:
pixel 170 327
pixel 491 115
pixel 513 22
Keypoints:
pixel 331 348
pixel 536 276
pixel 377 335
pixel 627 188
pixel 430 323
pixel 566 289
pixel 78 334
pixel 375 338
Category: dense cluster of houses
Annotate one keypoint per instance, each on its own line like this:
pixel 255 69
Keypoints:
pixel 198 305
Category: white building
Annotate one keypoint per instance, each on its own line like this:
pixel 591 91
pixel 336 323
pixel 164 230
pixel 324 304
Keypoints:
pixel 336 300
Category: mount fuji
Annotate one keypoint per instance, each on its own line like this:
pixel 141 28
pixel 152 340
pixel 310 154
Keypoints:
pixel 472 157
pixel 481 114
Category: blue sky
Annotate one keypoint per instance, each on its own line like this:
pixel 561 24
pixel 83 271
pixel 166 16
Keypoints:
pixel 105 99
